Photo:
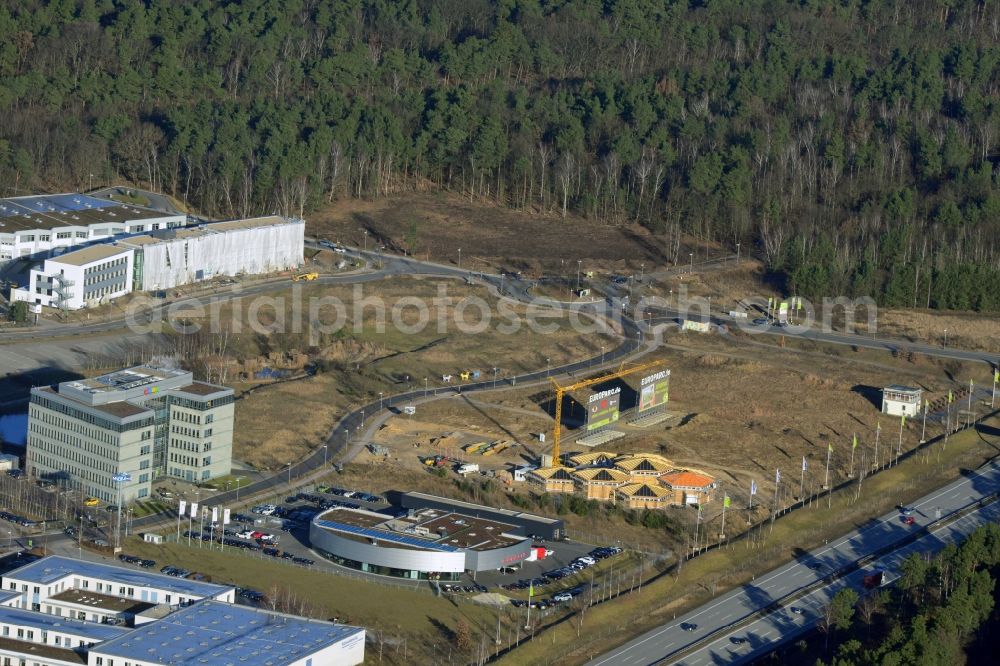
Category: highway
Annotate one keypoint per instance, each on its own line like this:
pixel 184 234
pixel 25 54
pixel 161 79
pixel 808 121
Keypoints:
pixel 715 620
pixel 766 633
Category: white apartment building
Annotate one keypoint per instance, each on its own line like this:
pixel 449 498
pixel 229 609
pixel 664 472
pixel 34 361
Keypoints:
pixel 144 421
pixel 42 225
pixel 82 278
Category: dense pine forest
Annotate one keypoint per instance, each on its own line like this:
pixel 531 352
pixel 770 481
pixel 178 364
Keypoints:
pixel 940 611
pixel 853 144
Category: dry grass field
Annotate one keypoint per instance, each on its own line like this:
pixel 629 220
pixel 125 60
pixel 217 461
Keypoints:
pixel 747 411
pixel 280 423
pixel 434 226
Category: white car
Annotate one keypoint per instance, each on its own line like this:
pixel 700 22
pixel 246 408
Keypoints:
pixel 562 596
pixel 339 250
pixel 245 534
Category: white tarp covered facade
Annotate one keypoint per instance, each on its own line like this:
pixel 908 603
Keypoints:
pixel 253 246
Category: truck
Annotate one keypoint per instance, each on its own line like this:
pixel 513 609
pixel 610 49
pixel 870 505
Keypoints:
pixel 309 277
pixel 467 468
pixel 873 580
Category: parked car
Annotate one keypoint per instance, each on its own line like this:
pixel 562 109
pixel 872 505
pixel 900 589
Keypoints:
pixel 91 501
pixel 562 596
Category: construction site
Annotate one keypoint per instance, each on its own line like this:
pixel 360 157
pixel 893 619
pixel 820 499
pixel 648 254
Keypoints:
pixel 690 424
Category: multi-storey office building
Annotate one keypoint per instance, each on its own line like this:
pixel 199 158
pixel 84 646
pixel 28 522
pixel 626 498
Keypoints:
pixel 37 226
pixel 145 421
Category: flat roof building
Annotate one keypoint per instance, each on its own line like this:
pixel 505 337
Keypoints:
pixel 33 227
pixel 57 608
pixel 901 400
pixel 145 421
pixel 164 259
pixel 211 633
pixel 524 523
pixel 424 544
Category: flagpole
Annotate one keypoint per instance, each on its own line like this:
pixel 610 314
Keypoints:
pixel 899 446
pixel 725 503
pixel 969 415
pixel 996 378
pixel 878 433
pixel 829 450
pixel 923 430
pixel 802 481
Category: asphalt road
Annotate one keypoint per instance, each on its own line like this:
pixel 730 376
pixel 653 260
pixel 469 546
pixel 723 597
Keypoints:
pixel 782 626
pixel 661 644
pixel 351 424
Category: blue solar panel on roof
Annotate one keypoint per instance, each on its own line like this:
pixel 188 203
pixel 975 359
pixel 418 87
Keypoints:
pixel 388 536
pixel 52 203
pixel 209 633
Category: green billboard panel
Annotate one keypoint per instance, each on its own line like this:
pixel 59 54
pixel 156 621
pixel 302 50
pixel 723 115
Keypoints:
pixel 654 390
pixel 602 408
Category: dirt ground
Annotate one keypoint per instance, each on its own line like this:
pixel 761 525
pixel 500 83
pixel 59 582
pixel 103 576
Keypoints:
pixel 359 362
pixel 745 412
pixel 434 226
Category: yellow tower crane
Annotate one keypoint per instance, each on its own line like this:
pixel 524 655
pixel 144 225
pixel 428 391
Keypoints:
pixel 561 391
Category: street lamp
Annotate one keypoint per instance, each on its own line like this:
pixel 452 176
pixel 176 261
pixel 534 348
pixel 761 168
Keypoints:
pixel 737 254
pixel 546 367
pixel 362 418
pixel 425 387
pixel 501 283
pixel 459 258
pixel 289 473
pixel 380 401
pixel 325 452
pixel 602 354
pixel 946 337
pixel 495 370
pixel 366 239
pixel 579 263
pixel 91 183
pixel 691 254
pixel 642 271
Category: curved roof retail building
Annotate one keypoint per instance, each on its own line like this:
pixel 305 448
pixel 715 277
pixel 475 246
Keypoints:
pixel 423 544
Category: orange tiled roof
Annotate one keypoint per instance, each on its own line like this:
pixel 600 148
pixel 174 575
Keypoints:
pixel 687 479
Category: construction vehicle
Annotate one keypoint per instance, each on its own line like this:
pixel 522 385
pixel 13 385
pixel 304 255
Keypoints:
pixel 309 277
pixel 436 461
pixel 463 376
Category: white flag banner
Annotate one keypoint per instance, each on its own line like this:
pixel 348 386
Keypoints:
pixel 181 507
pixel 225 516
pixel 194 509
pixel 215 514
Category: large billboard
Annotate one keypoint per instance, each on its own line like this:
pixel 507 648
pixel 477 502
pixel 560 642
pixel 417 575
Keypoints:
pixel 654 390
pixel 602 408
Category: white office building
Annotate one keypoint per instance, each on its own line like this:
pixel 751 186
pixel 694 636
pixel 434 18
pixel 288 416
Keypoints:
pixel 163 260
pixel 44 225
pixel 61 611
pixel 145 422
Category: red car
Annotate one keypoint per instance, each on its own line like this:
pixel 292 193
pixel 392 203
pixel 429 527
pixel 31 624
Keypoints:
pixel 909 520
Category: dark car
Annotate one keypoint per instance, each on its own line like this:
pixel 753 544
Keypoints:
pixel 737 640
pixel 688 626
pixel 147 564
